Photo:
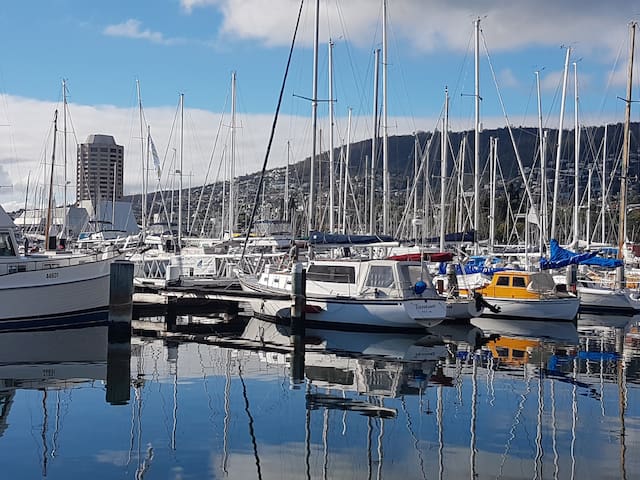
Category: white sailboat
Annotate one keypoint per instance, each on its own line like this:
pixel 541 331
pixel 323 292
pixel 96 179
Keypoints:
pixel 54 288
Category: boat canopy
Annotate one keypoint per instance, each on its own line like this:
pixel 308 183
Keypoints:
pixel 455 237
pixel 541 282
pixel 321 238
pixel 561 257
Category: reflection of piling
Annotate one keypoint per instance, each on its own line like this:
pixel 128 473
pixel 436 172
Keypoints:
pixel 572 279
pixel 298 294
pixel 120 301
pixel 118 372
pixel 297 361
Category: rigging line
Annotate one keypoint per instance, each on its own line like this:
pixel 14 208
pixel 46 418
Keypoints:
pixel 250 417
pixel 206 177
pixel 271 135
pixel 416 441
pixel 516 422
pixel 504 112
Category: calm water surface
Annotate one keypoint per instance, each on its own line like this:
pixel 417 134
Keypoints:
pixel 492 399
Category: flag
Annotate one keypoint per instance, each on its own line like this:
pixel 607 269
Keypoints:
pixel 154 154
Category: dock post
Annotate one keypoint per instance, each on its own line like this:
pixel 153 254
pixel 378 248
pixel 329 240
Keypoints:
pixel 572 279
pixel 452 280
pixel 120 301
pixel 621 282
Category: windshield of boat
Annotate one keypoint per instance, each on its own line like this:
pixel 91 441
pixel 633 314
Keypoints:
pixel 6 245
pixel 410 274
pixel 380 276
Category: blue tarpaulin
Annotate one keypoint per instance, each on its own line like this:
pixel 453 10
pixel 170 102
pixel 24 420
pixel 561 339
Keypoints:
pixel 321 238
pixel 561 257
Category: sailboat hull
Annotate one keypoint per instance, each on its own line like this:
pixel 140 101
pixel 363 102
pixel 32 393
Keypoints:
pixel 54 291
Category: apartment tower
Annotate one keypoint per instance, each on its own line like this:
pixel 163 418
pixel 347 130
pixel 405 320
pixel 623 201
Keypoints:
pixel 99 174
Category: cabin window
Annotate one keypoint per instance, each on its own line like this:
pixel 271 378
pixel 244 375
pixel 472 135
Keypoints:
pixel 380 276
pixel 503 281
pixel 331 273
pixel 6 246
pixel 519 282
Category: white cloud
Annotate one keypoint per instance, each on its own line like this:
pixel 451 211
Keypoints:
pixel 28 152
pixel 132 29
pixel 433 25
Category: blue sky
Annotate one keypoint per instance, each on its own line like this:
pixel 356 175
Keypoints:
pixel 192 46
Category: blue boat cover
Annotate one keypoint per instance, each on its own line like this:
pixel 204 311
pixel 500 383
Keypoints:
pixel 474 264
pixel 458 237
pixel 561 257
pixel 321 238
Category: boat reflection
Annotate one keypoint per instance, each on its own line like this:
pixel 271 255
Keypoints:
pixel 367 364
pixel 54 362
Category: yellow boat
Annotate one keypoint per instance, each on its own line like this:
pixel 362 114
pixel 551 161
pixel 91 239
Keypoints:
pixel 518 294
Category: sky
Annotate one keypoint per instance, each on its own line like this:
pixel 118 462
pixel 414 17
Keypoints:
pixel 115 57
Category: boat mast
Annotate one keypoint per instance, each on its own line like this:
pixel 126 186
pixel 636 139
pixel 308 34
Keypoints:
pixel 232 160
pixel 346 174
pixel 476 139
pixel 64 138
pixel 374 142
pixel 286 184
pixel 180 171
pixel 314 114
pixel 543 168
pixel 385 130
pixel 493 159
pixel 414 224
pixel 622 221
pixel 331 153
pixel 605 188
pixel 144 161
pixel 556 179
pixel 443 165
pixel 51 239
pixel 576 159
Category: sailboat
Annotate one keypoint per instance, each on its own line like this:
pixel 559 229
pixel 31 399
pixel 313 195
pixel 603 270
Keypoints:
pixel 349 291
pixel 53 288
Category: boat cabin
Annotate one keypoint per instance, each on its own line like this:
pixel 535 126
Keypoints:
pixel 520 284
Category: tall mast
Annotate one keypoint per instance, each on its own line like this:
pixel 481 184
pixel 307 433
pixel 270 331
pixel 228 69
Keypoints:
pixel 603 211
pixel 50 245
pixel 144 160
pixel 576 158
pixel 286 184
pixel 331 154
pixel 180 171
pixel 543 168
pixel 346 175
pixel 443 165
pixel 64 138
pixel 493 153
pixel 314 113
pixel 476 138
pixel 622 221
pixel 556 179
pixel 232 161
pixel 385 130
pixel 374 143
pixel 414 225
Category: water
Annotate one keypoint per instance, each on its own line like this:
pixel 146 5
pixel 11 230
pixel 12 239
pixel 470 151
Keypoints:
pixel 544 400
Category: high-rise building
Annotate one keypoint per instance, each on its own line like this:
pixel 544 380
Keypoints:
pixel 99 174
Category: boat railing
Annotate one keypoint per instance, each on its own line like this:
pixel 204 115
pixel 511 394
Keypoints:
pixel 51 262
